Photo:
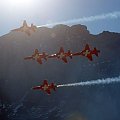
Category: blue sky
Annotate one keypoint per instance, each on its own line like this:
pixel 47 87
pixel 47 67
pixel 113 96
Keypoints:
pixel 42 12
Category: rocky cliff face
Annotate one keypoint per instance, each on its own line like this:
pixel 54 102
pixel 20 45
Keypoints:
pixel 18 76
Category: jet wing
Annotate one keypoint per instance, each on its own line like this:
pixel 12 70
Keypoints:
pixel 39 60
pixel 64 59
pixel 45 82
pixel 28 32
pixel 18 29
pixel 48 91
pixel 87 47
pixel 61 50
pixel 89 56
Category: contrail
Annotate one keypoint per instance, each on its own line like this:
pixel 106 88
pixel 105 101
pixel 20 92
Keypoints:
pixel 112 15
pixel 19 104
pixel 93 82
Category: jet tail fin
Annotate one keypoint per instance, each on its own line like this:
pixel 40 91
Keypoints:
pixel 95 51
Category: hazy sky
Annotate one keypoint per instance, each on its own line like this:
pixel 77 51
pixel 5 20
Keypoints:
pixel 98 15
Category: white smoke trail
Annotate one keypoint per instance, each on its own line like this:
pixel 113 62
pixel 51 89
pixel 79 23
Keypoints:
pixel 93 82
pixel 112 15
pixel 20 103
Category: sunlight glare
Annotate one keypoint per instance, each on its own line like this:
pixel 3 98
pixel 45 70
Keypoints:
pixel 20 3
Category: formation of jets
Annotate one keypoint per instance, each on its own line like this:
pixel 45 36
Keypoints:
pixel 62 55
pixel 46 87
pixel 26 29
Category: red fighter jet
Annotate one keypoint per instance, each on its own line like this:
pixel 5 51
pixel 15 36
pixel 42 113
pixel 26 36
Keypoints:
pixel 62 55
pixel 46 87
pixel 37 56
pixel 88 53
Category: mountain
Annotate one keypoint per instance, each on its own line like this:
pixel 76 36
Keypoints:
pixel 17 76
